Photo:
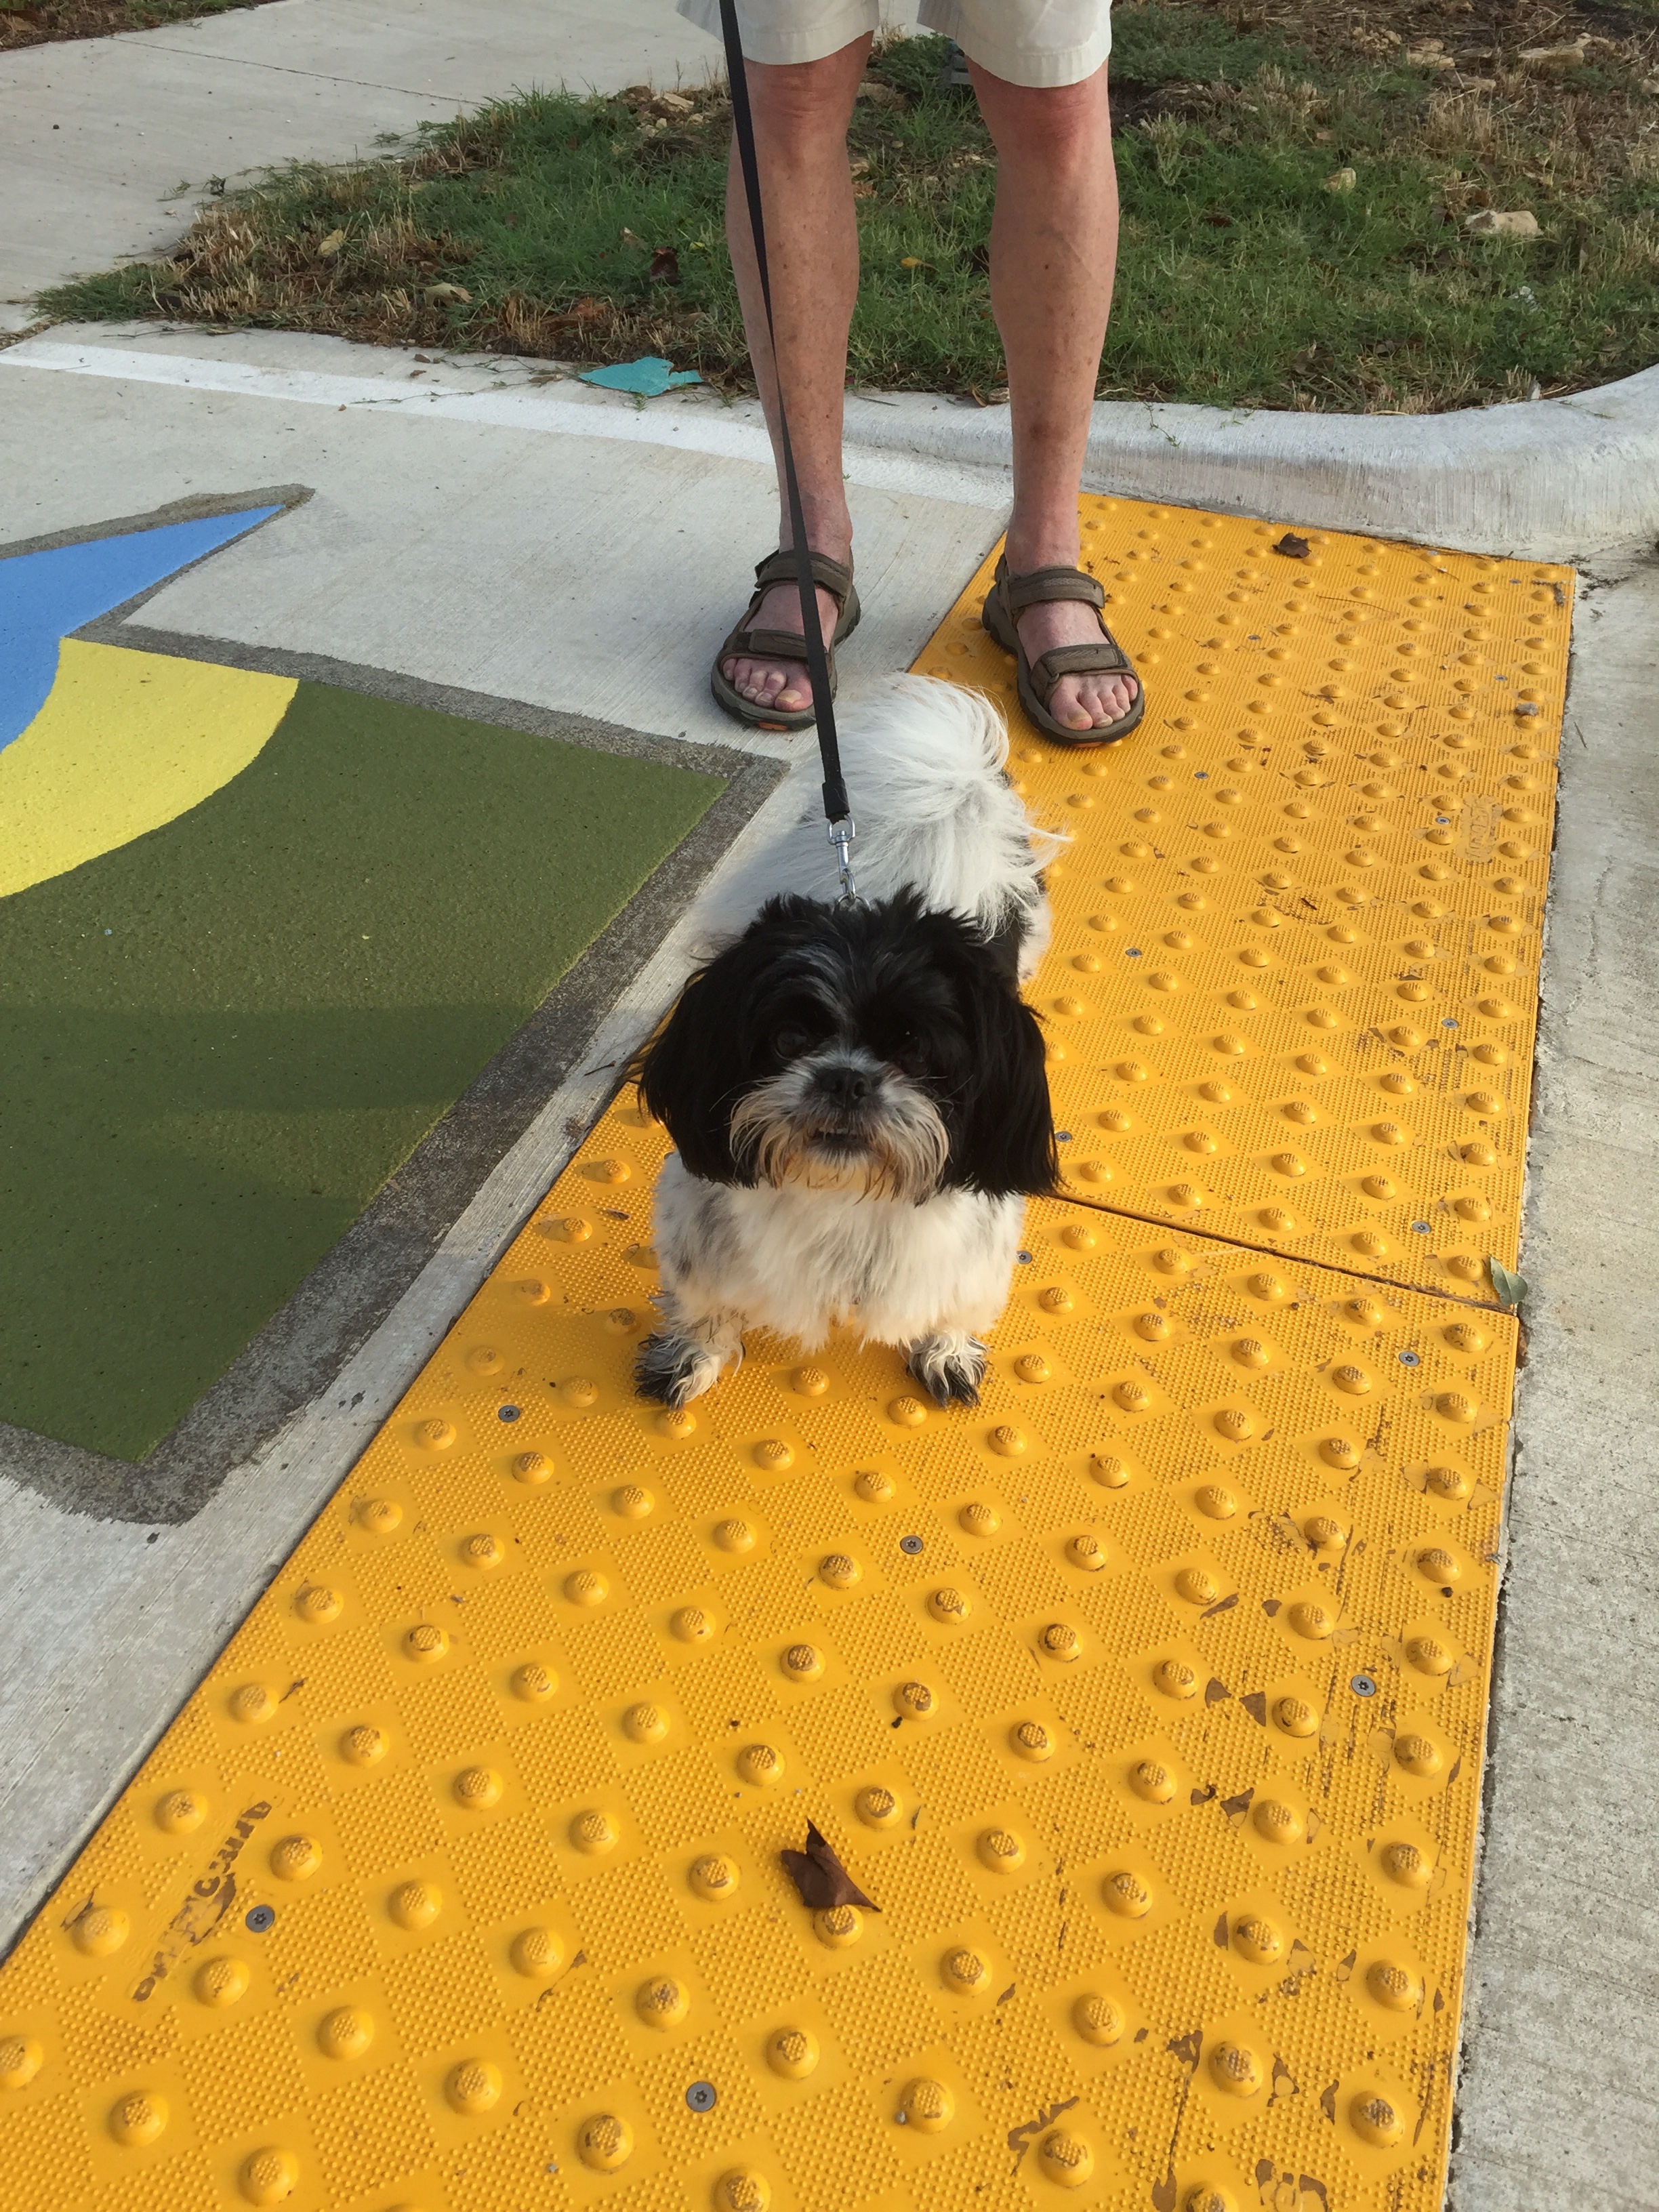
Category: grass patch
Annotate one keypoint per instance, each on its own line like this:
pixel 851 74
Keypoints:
pixel 49 20
pixel 591 229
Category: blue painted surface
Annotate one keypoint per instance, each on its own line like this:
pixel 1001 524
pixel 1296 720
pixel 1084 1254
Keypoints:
pixel 43 597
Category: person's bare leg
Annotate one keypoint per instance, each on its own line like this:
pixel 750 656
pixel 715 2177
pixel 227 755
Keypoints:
pixel 1054 253
pixel 801 111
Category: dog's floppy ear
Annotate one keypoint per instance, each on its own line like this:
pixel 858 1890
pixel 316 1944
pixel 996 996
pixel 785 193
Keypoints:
pixel 1006 1141
pixel 686 1078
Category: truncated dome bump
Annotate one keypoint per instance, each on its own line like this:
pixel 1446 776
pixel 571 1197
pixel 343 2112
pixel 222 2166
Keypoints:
pixel 20 2059
pixel 268 2176
pixel 1066 2157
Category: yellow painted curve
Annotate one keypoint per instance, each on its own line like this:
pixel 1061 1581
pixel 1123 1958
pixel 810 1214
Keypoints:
pixel 125 742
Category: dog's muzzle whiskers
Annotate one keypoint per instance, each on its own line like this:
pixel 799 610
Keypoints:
pixel 777 1130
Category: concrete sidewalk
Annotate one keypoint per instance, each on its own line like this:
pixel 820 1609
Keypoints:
pixel 105 144
pixel 1564 1988
pixel 552 546
pixel 496 538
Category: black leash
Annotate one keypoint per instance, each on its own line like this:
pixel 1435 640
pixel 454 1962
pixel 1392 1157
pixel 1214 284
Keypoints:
pixel 837 808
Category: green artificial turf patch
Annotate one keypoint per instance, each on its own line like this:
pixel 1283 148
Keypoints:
pixel 219 1040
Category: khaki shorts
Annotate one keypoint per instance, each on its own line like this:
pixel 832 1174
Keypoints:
pixel 1040 42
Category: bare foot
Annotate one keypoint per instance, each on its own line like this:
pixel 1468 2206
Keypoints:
pixel 1089 701
pixel 781 683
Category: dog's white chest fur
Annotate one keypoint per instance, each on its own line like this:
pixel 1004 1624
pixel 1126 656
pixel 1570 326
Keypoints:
pixel 801 1261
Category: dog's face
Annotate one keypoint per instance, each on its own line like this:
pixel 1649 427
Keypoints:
pixel 879 1049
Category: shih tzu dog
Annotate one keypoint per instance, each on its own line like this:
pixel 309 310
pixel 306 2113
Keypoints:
pixel 856 1092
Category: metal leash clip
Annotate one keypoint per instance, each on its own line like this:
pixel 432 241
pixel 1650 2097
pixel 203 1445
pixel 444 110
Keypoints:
pixel 842 834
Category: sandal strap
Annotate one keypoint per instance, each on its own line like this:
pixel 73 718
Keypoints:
pixel 766 644
pixel 1106 658
pixel 1041 585
pixel 834 576
pixel 779 567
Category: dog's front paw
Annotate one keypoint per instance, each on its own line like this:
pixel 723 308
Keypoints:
pixel 950 1367
pixel 672 1371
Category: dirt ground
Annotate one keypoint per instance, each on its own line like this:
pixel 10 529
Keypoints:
pixel 96 19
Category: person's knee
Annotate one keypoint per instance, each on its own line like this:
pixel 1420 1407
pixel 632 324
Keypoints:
pixel 1057 128
pixel 801 103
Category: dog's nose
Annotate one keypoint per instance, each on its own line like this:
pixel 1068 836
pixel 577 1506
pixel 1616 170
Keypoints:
pixel 842 1085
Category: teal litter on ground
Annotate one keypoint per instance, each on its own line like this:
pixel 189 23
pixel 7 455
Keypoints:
pixel 648 378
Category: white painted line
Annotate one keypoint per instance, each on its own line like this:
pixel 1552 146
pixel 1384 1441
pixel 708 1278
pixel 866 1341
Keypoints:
pixel 530 408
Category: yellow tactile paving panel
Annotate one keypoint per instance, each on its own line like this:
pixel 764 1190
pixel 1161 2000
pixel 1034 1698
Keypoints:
pixel 1081 1687
pixel 1146 1702
pixel 1294 984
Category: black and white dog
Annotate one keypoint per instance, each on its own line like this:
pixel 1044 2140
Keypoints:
pixel 857 1093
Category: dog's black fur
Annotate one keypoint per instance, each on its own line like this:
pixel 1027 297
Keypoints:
pixel 922 991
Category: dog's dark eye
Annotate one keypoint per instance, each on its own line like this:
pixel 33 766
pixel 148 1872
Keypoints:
pixel 789 1043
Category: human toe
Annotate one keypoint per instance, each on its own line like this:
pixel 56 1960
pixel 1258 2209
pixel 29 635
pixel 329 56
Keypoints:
pixel 1070 704
pixel 755 681
pixel 1115 700
pixel 788 687
pixel 1108 700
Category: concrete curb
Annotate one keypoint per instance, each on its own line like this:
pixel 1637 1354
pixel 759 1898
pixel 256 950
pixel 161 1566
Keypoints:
pixel 1547 479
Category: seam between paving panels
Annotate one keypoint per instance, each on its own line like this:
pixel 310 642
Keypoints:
pixel 1146 1702
pixel 1190 1228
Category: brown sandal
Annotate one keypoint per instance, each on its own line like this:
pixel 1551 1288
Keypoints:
pixel 1008 598
pixel 779 567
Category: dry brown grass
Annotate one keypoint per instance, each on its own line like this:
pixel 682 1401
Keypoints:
pixel 230 271
pixel 246 260
pixel 1242 280
pixel 50 20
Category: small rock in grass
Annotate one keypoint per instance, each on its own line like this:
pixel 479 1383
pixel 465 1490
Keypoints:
pixel 1341 180
pixel 438 294
pixel 1550 59
pixel 881 95
pixel 1493 223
